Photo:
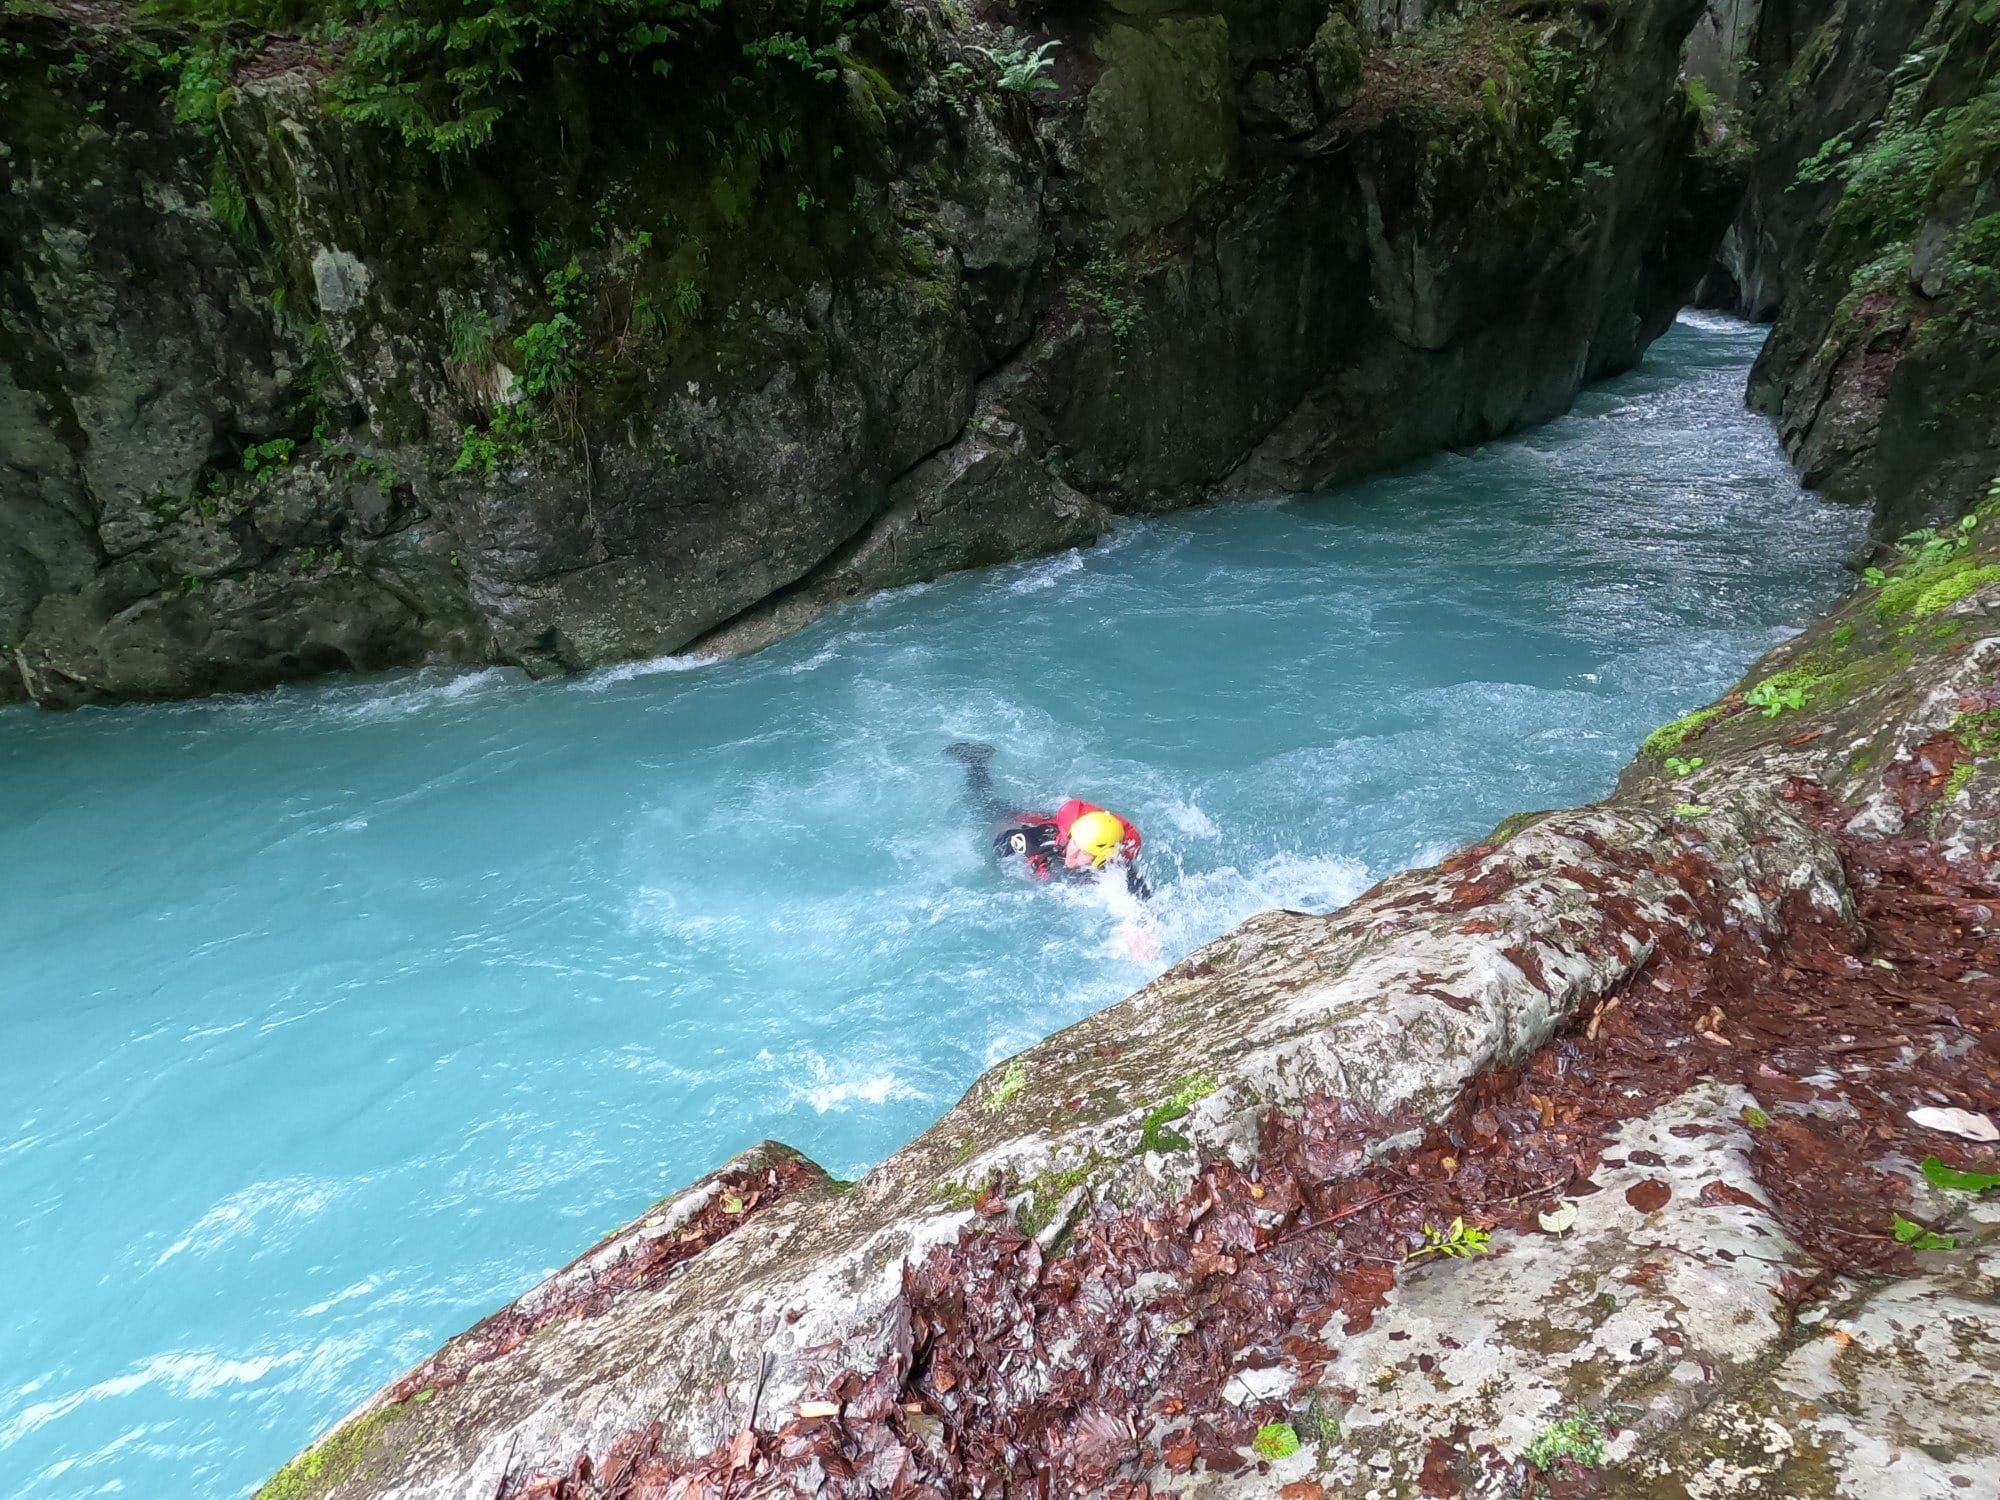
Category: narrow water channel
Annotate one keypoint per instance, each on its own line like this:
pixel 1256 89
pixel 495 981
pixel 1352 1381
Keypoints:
pixel 332 1018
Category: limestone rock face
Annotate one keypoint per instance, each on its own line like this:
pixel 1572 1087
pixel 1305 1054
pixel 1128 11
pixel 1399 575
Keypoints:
pixel 1865 233
pixel 266 409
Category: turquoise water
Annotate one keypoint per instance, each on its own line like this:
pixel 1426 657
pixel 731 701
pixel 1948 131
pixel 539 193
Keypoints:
pixel 331 1018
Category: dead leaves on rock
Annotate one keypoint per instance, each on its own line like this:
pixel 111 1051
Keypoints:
pixel 1017 1373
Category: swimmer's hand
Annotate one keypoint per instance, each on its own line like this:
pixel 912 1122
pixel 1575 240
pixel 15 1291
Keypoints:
pixel 1139 943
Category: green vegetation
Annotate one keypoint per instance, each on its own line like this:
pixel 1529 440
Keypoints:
pixel 1275 1440
pixel 1006 1087
pixel 1977 730
pixel 1670 737
pixel 1960 778
pixel 1936 571
pixel 1939 1175
pixel 1575 1439
pixel 1755 1118
pixel 1046 1194
pixel 1105 284
pixel 1019 70
pixel 1917 1237
pixel 1455 1243
pixel 956 1195
pixel 331 1460
pixel 1154 1134
pixel 263 458
pixel 1692 809
pixel 469 335
pixel 1786 691
pixel 1682 765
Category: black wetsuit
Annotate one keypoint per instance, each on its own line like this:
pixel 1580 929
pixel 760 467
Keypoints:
pixel 1031 837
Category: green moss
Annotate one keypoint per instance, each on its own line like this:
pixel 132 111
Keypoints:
pixel 335 1457
pixel 1576 1438
pixel 1047 1192
pixel 1004 1088
pixel 1670 737
pixel 1510 825
pixel 956 1195
pixel 1946 592
pixel 1154 1134
pixel 1961 777
pixel 1978 732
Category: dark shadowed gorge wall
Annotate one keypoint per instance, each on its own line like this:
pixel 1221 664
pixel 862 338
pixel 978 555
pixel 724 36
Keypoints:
pixel 684 361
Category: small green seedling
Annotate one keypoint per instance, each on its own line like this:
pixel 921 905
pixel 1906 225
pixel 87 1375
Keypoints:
pixel 1679 767
pixel 1775 698
pixel 1010 1083
pixel 1692 809
pixel 1454 1243
pixel 1939 1175
pixel 1576 1439
pixel 1919 1238
pixel 1275 1440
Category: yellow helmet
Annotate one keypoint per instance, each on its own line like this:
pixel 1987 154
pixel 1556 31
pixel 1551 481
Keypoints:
pixel 1097 834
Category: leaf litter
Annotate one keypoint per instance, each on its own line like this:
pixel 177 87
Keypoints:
pixel 1017 1372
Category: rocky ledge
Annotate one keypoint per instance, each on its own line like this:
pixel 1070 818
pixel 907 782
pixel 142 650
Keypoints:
pixel 1583 1162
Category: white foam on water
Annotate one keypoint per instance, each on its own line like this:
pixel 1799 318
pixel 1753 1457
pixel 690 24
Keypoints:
pixel 260 1211
pixel 190 1374
pixel 629 671
pixel 1046 575
pixel 839 1085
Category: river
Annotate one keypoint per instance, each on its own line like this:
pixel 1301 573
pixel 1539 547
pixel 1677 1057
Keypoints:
pixel 331 1018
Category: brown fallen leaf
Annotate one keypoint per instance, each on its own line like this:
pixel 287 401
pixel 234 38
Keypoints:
pixel 1648 1195
pixel 1302 1489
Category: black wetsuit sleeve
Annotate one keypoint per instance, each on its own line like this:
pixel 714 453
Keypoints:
pixel 1136 883
pixel 1034 843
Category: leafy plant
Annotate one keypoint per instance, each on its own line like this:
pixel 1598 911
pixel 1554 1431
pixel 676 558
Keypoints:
pixel 1021 71
pixel 1939 1175
pixel 1008 1085
pixel 548 356
pixel 1692 809
pixel 1575 1439
pixel 262 458
pixel 1275 1440
pixel 1103 284
pixel 1683 766
pixel 1783 692
pixel 1917 1237
pixel 1455 1243
pixel 440 73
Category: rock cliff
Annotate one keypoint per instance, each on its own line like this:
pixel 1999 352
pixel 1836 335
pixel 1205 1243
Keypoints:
pixel 1869 231
pixel 283 393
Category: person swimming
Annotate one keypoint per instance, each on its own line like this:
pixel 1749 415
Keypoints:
pixel 1079 840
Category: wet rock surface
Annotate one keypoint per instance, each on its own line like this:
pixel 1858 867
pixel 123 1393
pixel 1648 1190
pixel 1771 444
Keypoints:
pixel 1865 232
pixel 1581 1163
pixel 1253 246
